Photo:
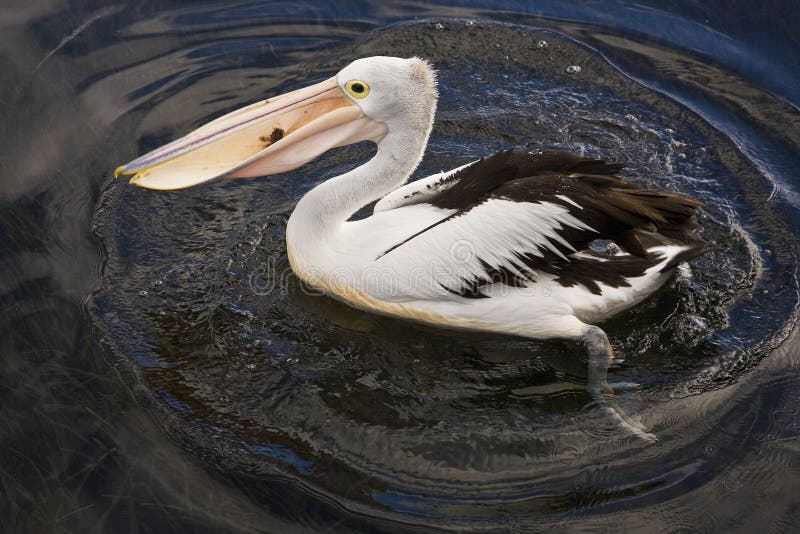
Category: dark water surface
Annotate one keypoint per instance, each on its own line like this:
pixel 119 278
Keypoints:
pixel 160 368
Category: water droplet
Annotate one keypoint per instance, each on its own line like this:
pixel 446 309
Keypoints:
pixel 631 117
pixel 698 321
pixel 251 366
pixel 542 44
pixel 143 293
pixel 573 69
pixel 439 26
pixel 470 23
pixel 292 359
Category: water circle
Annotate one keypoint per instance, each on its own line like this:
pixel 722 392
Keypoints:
pixel 249 366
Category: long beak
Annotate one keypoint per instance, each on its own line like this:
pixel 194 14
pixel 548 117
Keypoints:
pixel 268 137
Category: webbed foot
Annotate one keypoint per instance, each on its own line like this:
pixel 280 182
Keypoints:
pixel 601 355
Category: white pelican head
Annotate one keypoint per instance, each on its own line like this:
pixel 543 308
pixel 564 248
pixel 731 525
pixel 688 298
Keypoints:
pixel 371 99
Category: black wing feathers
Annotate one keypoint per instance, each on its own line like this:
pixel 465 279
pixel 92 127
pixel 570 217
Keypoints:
pixel 589 189
pixel 612 206
pixel 476 182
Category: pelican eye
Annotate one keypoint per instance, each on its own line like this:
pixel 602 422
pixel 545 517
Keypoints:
pixel 357 88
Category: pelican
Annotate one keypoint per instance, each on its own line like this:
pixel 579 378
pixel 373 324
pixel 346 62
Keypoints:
pixel 502 244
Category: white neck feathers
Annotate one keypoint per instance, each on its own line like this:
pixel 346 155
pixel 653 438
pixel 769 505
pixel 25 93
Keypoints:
pixel 326 207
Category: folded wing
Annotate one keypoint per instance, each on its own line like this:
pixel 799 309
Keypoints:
pixel 517 213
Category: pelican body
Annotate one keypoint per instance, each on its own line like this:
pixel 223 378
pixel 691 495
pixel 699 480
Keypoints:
pixel 501 244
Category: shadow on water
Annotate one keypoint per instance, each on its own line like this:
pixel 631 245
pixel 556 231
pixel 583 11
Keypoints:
pixel 164 369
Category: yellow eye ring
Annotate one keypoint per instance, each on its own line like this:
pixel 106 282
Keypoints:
pixel 357 88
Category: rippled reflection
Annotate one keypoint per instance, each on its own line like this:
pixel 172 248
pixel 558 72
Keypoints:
pixel 161 369
pixel 198 295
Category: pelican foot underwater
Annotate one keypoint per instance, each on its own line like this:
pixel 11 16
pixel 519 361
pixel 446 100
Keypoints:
pixel 501 244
